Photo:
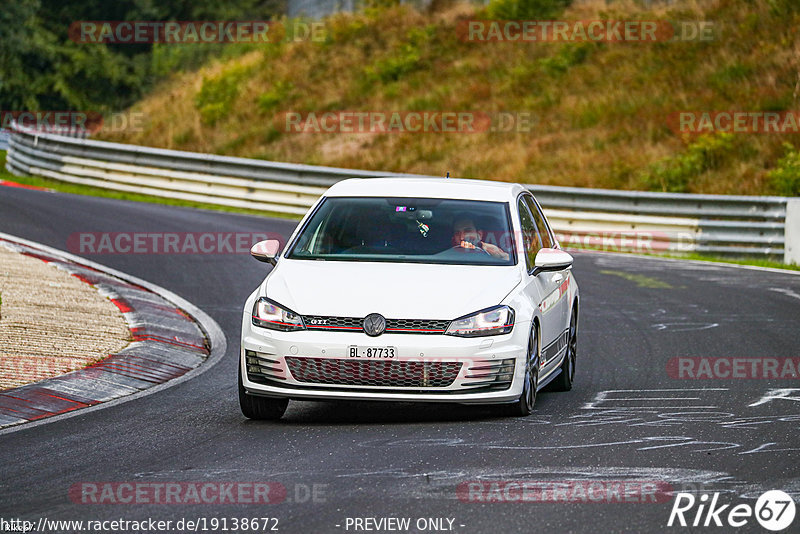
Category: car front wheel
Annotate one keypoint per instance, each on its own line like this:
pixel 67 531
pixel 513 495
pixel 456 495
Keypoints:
pixel 523 406
pixel 261 408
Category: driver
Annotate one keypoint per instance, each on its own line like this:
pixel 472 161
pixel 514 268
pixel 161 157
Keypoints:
pixel 466 235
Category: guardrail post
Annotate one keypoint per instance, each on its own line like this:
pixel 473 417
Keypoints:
pixel 792 239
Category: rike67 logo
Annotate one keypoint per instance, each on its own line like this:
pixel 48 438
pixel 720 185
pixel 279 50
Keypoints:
pixel 774 510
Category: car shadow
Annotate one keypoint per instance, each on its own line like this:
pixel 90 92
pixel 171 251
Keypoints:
pixel 322 413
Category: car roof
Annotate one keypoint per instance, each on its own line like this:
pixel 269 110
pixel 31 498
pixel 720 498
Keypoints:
pixel 456 188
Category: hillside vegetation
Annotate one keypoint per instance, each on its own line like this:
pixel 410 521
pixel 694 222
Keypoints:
pixel 600 109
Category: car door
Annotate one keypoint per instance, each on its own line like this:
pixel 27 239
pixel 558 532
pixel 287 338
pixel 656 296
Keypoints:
pixel 538 287
pixel 555 304
pixel 560 307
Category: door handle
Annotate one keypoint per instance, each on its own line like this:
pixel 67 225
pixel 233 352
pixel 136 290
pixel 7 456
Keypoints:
pixel 558 277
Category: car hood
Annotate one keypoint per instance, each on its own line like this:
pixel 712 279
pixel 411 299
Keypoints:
pixel 395 290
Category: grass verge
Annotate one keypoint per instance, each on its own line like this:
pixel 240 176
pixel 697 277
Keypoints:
pixel 753 262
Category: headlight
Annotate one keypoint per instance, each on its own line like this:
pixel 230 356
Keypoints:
pixel 267 314
pixel 489 322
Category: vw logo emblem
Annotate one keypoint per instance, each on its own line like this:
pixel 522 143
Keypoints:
pixel 374 324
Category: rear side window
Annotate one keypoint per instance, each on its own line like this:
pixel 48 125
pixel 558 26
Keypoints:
pixel 538 218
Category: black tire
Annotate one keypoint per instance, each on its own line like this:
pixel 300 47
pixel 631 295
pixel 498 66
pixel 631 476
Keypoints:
pixel 260 408
pixel 566 377
pixel 523 406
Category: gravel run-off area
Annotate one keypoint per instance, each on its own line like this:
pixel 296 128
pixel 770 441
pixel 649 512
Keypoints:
pixel 51 322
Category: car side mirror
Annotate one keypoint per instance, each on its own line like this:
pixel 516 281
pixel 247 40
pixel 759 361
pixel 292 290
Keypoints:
pixel 551 259
pixel 266 251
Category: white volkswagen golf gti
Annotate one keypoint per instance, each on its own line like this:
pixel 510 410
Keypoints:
pixel 406 289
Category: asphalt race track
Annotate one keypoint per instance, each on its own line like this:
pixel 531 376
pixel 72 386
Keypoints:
pixel 629 417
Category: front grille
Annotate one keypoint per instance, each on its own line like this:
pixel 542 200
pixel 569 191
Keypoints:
pixel 416 326
pixel 386 373
pixel 393 326
pixel 318 322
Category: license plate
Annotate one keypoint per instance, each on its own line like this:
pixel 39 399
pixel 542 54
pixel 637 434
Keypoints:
pixel 355 351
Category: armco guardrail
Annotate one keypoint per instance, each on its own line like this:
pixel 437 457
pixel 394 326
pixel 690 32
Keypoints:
pixel 713 224
pixel 237 182
pixel 583 218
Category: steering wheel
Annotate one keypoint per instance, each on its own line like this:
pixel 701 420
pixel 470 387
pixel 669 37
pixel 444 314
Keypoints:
pixel 466 249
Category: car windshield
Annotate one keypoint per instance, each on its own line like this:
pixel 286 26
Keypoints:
pixel 408 230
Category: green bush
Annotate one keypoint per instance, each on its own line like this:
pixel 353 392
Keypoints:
pixel 526 9
pixel 403 59
pixel 166 59
pixel 272 98
pixel 566 57
pixel 377 4
pixel 673 174
pixel 785 178
pixel 391 68
pixel 343 28
pixel 216 96
pixel 783 8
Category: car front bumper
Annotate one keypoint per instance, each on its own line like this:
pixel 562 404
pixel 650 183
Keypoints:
pixel 426 368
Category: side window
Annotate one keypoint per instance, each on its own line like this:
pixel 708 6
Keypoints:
pixel 530 235
pixel 540 222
